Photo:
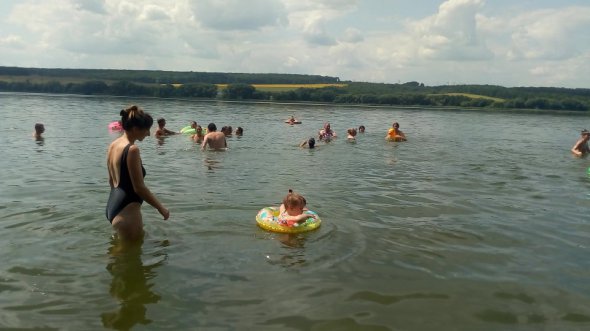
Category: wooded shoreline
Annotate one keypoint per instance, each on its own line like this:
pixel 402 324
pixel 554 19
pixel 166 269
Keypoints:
pixel 288 88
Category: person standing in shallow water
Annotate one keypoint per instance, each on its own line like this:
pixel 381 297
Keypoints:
pixel 126 173
pixel 395 134
pixel 215 140
pixel 581 146
pixel 162 131
pixel 326 134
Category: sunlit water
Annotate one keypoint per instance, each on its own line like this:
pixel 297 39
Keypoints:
pixel 478 222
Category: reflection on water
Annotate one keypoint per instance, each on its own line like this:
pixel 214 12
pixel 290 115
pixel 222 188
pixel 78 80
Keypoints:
pixel 40 141
pixel 160 141
pixel 291 240
pixel 211 163
pixel 131 285
pixel 292 253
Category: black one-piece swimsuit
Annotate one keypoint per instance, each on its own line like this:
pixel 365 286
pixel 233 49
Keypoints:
pixel 123 194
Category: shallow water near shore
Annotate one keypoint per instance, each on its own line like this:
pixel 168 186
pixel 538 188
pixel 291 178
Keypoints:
pixel 477 222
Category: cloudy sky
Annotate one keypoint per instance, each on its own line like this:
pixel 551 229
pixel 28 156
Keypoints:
pixel 503 42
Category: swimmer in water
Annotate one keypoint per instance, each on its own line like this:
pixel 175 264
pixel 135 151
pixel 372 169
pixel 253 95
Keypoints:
pixel 581 146
pixel 162 131
pixel 39 129
pixel 326 134
pixel 395 134
pixel 291 211
pixel 310 143
pixel 351 135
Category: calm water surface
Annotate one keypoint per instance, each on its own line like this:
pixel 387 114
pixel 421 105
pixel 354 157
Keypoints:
pixel 478 222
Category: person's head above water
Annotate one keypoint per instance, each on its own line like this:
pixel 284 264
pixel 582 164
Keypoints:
pixel 395 125
pixel 135 117
pixel 161 122
pixel 294 200
pixel 211 127
pixel 39 128
pixel 311 142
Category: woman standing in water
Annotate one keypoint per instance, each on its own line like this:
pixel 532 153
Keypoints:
pixel 126 172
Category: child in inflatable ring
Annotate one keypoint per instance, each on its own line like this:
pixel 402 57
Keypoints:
pixel 291 210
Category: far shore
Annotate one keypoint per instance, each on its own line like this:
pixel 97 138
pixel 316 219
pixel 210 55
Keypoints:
pixel 326 104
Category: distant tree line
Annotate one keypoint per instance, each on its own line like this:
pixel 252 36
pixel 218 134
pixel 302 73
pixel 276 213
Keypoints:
pixel 126 88
pixel 240 87
pixel 414 93
pixel 169 77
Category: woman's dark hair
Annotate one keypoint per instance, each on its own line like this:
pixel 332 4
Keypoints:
pixel 134 116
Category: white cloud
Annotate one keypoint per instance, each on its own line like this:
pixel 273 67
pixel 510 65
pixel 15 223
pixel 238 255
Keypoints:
pixel 556 34
pixel 451 34
pixel 237 14
pixel 463 41
pixel 153 13
pixel 351 35
pixel 12 41
pixel 310 18
pixel 94 6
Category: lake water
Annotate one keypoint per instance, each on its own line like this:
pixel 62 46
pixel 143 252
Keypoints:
pixel 478 222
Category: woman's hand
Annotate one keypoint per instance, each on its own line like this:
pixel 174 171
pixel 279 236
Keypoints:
pixel 164 212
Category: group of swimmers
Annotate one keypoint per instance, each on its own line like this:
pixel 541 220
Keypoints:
pixel 213 138
pixel 327 134
pixel 126 176
pixel 126 172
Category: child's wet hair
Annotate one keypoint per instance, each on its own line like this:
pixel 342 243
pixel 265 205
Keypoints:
pixel 134 116
pixel 294 200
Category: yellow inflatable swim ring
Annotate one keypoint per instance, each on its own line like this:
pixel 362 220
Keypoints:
pixel 392 135
pixel 267 218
